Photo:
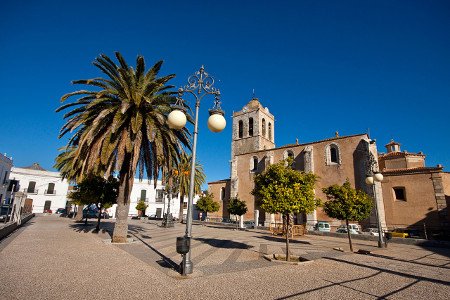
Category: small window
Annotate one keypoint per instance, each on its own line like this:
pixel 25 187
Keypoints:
pixel 143 195
pixel 159 195
pixel 263 127
pixel 222 193
pixel 31 187
pixel 270 131
pixel 51 189
pixel 400 193
pixel 254 164
pixel 185 204
pixel 241 129
pixel 4 178
pixel 250 127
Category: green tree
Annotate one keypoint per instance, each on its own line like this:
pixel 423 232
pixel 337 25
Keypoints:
pixel 281 189
pixel 141 206
pixel 96 190
pixel 237 207
pixel 182 176
pixel 119 126
pixel 207 204
pixel 346 203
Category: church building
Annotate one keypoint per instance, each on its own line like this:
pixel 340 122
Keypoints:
pixel 253 148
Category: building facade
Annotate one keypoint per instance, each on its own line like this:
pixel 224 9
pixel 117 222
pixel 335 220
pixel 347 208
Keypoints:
pixel 415 196
pixel 44 190
pixel 6 164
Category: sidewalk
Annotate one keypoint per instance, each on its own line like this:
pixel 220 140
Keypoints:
pixel 54 258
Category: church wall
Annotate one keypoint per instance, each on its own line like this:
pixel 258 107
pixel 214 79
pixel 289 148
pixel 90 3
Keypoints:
pixel 328 174
pixel 216 188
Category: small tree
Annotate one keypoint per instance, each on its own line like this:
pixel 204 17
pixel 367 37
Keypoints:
pixel 346 203
pixel 207 204
pixel 281 189
pixel 237 207
pixel 141 206
pixel 96 190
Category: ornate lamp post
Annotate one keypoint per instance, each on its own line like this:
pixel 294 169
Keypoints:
pixel 199 85
pixel 372 177
pixel 171 191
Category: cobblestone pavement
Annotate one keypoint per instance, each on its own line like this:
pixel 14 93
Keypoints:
pixel 55 258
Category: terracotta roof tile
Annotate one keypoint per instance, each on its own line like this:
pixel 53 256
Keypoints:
pixel 412 170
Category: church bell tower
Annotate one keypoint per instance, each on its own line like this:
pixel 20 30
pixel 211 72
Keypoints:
pixel 253 130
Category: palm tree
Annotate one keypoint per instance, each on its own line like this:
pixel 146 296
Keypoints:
pixel 120 127
pixel 183 171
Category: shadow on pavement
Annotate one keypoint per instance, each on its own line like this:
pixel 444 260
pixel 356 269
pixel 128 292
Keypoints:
pixel 342 283
pixel 217 243
pixel 414 261
pixel 165 262
pixel 281 239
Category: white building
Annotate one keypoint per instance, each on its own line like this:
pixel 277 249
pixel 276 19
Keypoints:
pixel 44 189
pixel 5 170
pixel 156 200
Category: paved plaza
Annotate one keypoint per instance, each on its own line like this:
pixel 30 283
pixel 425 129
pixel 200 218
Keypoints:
pixel 55 258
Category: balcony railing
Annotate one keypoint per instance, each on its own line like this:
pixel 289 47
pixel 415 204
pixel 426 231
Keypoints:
pixel 142 199
pixel 159 199
pixel 47 192
pixel 31 191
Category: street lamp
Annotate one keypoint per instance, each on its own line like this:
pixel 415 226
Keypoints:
pixel 372 177
pixel 199 85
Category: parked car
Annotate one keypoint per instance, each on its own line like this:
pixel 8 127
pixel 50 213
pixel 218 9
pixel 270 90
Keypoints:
pixel 249 224
pixel 48 211
pixel 399 232
pixel 322 226
pixel 3 217
pixel 371 231
pixel 60 211
pixel 405 233
pixel 90 213
pixel 343 229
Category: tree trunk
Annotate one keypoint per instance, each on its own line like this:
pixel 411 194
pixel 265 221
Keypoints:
pixel 287 220
pixel 98 218
pixel 180 213
pixel 349 236
pixel 79 216
pixel 123 207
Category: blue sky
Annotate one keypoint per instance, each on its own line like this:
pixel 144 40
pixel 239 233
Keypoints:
pixel 320 67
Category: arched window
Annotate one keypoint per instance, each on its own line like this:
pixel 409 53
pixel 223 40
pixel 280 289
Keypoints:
pixel 289 154
pixel 250 127
pixel 222 193
pixel 270 131
pixel 254 164
pixel 263 127
pixel 332 154
pixel 241 129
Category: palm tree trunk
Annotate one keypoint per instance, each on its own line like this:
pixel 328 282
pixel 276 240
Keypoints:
pixel 349 236
pixel 180 213
pixel 79 216
pixel 123 207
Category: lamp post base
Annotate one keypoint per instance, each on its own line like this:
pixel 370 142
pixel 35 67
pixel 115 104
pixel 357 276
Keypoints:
pixel 186 266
